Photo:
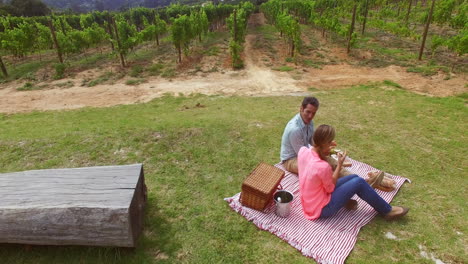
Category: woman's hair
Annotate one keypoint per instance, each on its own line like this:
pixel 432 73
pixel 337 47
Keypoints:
pixel 323 134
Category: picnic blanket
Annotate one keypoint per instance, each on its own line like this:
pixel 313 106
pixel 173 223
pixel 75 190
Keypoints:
pixel 325 240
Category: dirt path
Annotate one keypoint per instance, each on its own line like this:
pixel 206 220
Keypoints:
pixel 255 79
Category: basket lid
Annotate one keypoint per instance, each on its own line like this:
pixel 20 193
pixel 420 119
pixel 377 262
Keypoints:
pixel 264 177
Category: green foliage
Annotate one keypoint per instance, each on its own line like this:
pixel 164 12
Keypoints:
pixel 182 34
pixel 428 70
pixel 155 69
pixel 459 43
pixel 128 36
pixel 237 24
pixel 136 71
pixel 59 70
pixel 289 26
pixel 43 37
pixel 436 42
pixel 101 79
pixel 19 40
pixel 235 50
pixel 168 72
pixel 95 35
pixel 200 23
pixel 460 19
pixel 443 11
pixel 26 87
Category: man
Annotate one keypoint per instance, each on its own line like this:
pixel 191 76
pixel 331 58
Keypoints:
pixel 298 133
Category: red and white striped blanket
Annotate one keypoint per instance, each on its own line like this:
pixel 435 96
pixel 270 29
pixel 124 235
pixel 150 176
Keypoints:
pixel 326 240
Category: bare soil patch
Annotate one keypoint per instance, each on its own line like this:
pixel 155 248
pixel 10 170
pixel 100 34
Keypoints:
pixel 215 77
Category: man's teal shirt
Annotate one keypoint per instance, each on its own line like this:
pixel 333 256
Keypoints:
pixel 296 135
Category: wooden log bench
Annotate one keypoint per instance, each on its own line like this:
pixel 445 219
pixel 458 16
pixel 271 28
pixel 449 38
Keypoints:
pixel 98 206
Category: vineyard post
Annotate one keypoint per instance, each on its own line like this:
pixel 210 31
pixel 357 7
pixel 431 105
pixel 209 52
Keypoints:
pixel 351 29
pixel 235 25
pixel 408 12
pixel 62 26
pixel 4 70
pixel 109 28
pixel 426 28
pixel 155 22
pixel 122 60
pixel 366 12
pixel 54 38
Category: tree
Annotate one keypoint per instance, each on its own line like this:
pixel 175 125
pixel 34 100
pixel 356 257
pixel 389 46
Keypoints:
pixel 126 37
pixel 19 40
pixel 200 23
pixel 351 29
pixel 181 34
pixel 2 66
pixel 30 7
pixel 161 27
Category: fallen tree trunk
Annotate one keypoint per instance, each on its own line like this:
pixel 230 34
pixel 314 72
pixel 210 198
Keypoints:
pixel 97 206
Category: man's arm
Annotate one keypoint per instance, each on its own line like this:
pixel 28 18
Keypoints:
pixel 295 139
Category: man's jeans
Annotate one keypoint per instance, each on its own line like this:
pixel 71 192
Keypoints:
pixel 348 186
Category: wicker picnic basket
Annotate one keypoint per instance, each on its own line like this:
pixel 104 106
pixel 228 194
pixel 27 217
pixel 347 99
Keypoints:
pixel 258 188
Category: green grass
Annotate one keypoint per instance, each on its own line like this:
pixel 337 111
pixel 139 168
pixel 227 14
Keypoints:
pixel 195 156
pixel 30 87
pixel 428 70
pixel 135 81
pixel 212 51
pixel 310 63
pixel 136 71
pixel 391 83
pixel 66 84
pixel 284 68
pixel 25 70
pixel 168 72
pixel 90 61
pixel 155 69
pixel 101 79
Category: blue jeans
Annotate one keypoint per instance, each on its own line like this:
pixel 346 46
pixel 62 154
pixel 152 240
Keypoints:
pixel 348 186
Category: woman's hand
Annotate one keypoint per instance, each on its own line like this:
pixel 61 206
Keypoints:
pixel 342 157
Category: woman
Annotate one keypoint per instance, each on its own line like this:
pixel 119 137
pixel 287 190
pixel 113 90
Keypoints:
pixel 323 192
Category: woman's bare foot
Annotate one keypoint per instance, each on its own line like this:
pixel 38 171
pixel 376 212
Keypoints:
pixel 396 212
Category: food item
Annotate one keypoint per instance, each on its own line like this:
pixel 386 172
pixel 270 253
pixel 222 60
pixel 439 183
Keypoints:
pixel 387 184
pixel 335 151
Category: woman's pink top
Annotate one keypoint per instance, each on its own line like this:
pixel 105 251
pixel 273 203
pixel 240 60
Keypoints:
pixel 315 182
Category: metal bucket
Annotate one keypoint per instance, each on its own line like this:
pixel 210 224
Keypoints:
pixel 283 201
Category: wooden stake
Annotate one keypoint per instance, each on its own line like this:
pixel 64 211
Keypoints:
pixel 54 38
pixel 426 28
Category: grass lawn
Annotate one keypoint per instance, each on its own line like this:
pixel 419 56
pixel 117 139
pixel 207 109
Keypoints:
pixel 197 150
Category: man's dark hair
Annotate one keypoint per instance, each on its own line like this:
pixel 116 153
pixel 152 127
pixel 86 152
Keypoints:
pixel 310 100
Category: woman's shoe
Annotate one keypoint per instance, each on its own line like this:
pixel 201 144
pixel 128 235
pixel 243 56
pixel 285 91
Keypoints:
pixel 351 205
pixel 397 215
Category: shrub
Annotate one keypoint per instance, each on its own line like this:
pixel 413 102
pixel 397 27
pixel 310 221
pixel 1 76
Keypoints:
pixel 59 70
